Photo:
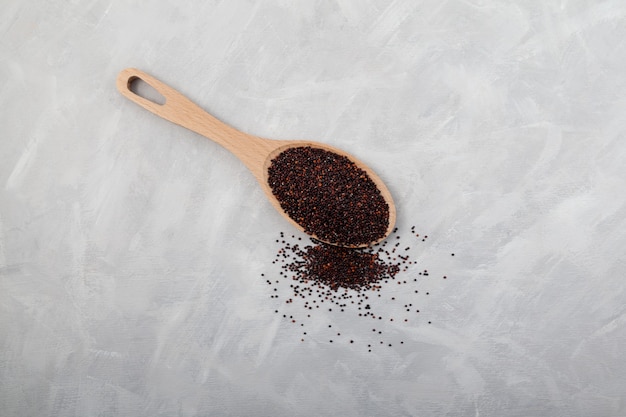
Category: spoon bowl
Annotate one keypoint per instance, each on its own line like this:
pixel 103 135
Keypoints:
pixel 255 152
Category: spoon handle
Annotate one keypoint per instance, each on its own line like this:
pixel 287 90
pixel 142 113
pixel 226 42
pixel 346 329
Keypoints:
pixel 182 111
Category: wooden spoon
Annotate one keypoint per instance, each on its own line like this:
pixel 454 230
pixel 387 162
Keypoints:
pixel 255 152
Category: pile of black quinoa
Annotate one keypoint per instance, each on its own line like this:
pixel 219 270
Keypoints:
pixel 329 196
pixel 315 278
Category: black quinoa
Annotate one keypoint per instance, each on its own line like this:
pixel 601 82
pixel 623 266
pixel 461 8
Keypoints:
pixel 337 267
pixel 322 276
pixel 329 196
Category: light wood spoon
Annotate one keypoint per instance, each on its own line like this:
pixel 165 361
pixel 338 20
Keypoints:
pixel 255 152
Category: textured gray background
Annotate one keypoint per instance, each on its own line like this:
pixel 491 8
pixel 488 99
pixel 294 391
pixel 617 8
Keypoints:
pixel 131 249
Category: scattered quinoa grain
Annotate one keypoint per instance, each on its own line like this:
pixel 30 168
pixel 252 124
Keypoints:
pixel 346 278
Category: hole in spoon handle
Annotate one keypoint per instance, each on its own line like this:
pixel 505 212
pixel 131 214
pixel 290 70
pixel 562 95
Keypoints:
pixel 143 89
pixel 176 107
